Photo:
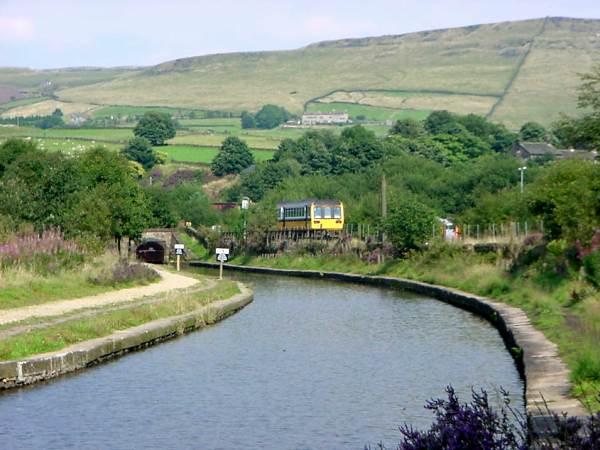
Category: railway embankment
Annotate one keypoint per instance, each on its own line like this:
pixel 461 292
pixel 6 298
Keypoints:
pixel 546 376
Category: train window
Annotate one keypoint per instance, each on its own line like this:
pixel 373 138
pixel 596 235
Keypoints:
pixel 318 213
pixel 327 212
pixel 337 212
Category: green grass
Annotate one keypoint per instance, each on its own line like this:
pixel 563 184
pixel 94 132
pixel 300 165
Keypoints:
pixel 60 336
pixel 203 155
pixel 21 102
pixel 210 123
pixel 21 287
pixel 476 60
pixel 122 111
pixel 101 134
pixel 574 327
pixel 370 112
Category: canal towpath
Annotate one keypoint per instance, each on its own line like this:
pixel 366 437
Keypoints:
pixel 169 281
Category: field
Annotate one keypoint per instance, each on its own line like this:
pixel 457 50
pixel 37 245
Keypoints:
pixel 203 155
pixel 377 113
pixel 530 66
pixel 126 111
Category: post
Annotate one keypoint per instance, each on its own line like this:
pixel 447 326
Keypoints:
pixel 522 170
pixel 178 261
pixel 221 269
pixel 383 205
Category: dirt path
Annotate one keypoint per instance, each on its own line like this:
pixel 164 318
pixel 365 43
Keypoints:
pixel 168 282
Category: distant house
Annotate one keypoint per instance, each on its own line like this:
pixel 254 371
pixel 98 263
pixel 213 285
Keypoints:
pixel 77 119
pixel 325 118
pixel 534 150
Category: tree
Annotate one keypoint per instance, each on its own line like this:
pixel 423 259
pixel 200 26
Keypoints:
pixel 566 196
pixel 248 120
pixel 271 116
pixel 156 127
pixel 437 119
pixel 138 149
pixel 408 128
pixel 408 225
pixel 12 149
pixel 52 121
pixel 533 132
pixel 233 157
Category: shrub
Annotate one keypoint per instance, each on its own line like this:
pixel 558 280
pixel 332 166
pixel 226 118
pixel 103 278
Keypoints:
pixel 40 251
pixel 409 225
pixel 124 272
pixel 591 264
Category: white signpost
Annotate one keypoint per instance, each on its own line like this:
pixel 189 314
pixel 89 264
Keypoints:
pixel 179 251
pixel 222 256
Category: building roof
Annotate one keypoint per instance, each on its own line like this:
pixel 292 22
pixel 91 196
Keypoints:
pixel 539 148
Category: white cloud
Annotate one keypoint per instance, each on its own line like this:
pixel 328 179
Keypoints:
pixel 16 28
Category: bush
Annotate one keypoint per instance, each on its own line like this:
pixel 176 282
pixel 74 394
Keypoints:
pixel 591 264
pixel 409 225
pixel 124 272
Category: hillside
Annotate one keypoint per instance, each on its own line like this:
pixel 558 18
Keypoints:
pixel 511 71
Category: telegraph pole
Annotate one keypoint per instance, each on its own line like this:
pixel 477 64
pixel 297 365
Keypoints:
pixel 383 205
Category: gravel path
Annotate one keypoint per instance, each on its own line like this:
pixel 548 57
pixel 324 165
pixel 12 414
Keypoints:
pixel 168 282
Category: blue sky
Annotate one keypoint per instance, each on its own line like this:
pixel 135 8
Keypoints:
pixel 64 33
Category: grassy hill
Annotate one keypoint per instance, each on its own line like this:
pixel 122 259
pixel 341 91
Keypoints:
pixel 511 71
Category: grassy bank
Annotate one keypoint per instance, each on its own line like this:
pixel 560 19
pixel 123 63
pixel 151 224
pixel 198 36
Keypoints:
pixel 59 336
pixel 566 310
pixel 21 286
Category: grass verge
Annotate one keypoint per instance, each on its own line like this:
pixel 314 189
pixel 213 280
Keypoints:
pixel 72 332
pixel 24 287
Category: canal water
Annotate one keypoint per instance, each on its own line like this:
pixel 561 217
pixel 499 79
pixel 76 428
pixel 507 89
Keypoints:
pixel 309 365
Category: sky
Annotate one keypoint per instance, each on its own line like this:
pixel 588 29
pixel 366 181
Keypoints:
pixel 68 33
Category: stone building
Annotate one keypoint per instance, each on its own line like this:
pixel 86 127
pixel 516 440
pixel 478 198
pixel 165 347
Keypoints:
pixel 534 150
pixel 325 118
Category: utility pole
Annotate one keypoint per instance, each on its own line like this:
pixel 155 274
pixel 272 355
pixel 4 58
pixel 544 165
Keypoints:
pixel 383 205
pixel 522 170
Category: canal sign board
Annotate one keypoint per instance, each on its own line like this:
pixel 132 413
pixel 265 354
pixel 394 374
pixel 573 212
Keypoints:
pixel 222 256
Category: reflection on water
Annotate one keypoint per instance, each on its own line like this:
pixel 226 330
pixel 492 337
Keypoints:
pixel 308 365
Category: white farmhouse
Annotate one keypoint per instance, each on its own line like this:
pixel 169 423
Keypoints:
pixel 325 118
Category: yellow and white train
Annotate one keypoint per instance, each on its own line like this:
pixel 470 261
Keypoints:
pixel 311 214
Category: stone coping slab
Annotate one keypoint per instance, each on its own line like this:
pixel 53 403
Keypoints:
pixel 545 375
pixel 88 353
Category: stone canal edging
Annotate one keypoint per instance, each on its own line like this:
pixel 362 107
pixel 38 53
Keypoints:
pixel 545 375
pixel 84 354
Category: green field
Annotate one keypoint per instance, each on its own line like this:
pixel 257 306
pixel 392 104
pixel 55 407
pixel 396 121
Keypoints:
pixel 370 112
pixel 101 134
pixel 125 111
pixel 203 155
pixel 254 140
pixel 21 102
pixel 211 123
pixel 531 66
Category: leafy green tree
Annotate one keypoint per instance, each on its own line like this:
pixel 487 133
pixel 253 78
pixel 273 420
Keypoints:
pixel 12 149
pixel 267 175
pixel 438 119
pixel 408 128
pixel 566 195
pixel 533 132
pixel 248 120
pixel 233 157
pixel 357 148
pixel 52 121
pixel 156 127
pixel 271 116
pixel 139 149
pixel 409 225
